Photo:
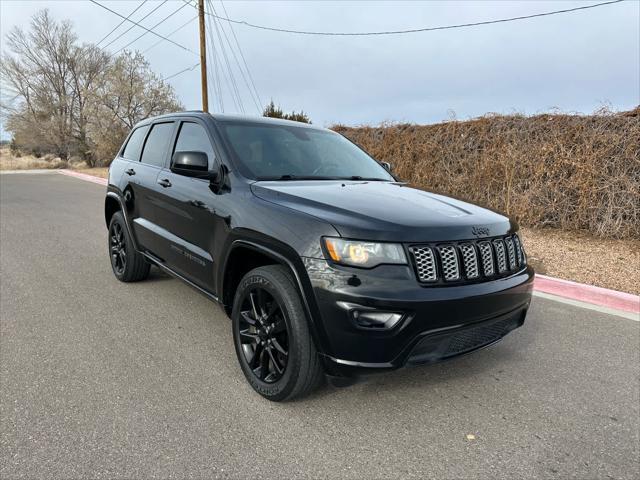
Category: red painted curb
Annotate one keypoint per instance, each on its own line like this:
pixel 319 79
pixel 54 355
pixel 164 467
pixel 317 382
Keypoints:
pixel 84 176
pixel 588 293
pixel 555 286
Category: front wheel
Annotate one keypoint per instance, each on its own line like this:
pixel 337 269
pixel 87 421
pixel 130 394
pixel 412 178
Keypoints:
pixel 271 336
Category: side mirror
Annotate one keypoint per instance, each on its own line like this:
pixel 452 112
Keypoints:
pixel 190 164
pixel 387 166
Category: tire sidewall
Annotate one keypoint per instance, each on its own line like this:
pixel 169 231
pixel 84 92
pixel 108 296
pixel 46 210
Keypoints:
pixel 283 387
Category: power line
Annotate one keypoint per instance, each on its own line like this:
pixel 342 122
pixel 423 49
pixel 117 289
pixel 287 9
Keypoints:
pixel 121 22
pixel 242 55
pixel 234 86
pixel 235 57
pixel 132 26
pixel 188 69
pixel 141 26
pixel 414 30
pixel 169 34
pixel 151 29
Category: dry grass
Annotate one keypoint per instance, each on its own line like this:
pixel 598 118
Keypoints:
pixel 566 171
pixel 28 162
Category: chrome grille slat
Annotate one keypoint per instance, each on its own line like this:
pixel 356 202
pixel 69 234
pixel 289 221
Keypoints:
pixel 519 252
pixel 425 263
pixel 501 256
pixel 487 258
pixel 469 260
pixel 511 253
pixel 449 262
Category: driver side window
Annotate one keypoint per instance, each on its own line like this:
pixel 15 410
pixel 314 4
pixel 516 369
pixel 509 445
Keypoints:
pixel 193 138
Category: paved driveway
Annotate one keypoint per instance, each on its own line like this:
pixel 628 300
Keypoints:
pixel 102 379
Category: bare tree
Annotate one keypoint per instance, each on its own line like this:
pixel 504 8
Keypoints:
pixel 39 76
pixel 68 99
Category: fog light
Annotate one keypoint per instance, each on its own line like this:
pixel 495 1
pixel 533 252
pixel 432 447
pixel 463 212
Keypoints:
pixel 370 318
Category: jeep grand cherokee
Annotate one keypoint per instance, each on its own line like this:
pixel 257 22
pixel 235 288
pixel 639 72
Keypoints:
pixel 325 262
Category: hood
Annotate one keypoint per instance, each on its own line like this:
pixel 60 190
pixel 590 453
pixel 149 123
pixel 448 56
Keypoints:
pixel 385 210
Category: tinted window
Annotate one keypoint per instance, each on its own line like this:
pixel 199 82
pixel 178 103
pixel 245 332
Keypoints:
pixel 275 151
pixel 134 145
pixel 157 144
pixel 194 138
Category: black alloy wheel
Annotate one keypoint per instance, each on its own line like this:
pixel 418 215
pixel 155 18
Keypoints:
pixel 271 335
pixel 128 265
pixel 263 335
pixel 118 248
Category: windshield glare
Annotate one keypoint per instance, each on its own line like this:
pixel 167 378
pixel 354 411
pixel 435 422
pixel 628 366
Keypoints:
pixel 271 152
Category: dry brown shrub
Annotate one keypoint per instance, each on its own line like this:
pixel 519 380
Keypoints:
pixel 566 171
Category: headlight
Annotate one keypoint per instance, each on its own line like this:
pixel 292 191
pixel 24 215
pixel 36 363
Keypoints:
pixel 363 254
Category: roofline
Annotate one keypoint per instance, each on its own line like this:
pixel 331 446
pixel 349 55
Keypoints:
pixel 221 118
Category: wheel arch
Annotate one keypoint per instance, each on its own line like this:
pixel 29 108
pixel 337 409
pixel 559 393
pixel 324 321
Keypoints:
pixel 111 206
pixel 257 255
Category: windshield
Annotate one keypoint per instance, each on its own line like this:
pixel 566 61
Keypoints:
pixel 283 152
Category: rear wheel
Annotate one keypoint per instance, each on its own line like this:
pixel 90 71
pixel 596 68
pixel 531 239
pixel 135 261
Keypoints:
pixel 271 336
pixel 128 265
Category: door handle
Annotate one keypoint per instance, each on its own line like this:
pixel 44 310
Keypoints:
pixel 198 204
pixel 164 182
pixel 130 172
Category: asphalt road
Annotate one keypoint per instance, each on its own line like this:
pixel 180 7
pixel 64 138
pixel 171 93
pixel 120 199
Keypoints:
pixel 106 380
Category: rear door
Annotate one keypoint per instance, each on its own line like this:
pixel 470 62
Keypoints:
pixel 145 191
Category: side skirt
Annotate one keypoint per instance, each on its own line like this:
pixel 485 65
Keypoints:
pixel 162 266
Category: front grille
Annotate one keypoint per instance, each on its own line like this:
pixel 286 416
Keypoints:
pixel 468 261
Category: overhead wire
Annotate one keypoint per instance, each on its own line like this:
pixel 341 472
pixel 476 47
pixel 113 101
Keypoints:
pixel 121 22
pixel 219 71
pixel 416 30
pixel 152 28
pixel 188 69
pixel 242 55
pixel 133 26
pixel 169 34
pixel 143 27
pixel 234 85
pixel 235 57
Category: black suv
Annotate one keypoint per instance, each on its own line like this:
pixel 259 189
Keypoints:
pixel 325 262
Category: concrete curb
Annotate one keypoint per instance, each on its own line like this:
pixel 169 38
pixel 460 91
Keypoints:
pixel 555 286
pixel 84 176
pixel 588 293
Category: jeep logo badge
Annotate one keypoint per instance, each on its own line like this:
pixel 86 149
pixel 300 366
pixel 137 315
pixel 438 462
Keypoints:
pixel 480 231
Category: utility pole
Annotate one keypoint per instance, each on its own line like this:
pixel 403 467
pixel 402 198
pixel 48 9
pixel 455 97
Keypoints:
pixel 203 58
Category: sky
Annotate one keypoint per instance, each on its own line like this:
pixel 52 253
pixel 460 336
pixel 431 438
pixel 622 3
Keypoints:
pixel 573 62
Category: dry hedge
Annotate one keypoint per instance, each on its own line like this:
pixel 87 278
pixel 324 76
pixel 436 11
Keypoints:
pixel 566 171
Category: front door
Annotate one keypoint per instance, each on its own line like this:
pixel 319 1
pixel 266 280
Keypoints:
pixel 187 211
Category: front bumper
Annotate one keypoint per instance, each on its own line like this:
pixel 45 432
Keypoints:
pixel 438 322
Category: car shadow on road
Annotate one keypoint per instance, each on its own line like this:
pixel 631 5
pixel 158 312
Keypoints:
pixel 488 364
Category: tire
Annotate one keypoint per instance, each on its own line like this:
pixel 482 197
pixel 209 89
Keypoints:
pixel 302 371
pixel 128 265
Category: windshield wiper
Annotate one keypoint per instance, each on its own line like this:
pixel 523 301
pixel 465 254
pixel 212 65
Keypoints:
pixel 302 177
pixel 368 179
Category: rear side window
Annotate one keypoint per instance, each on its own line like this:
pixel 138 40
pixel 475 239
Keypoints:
pixel 193 138
pixel 134 145
pixel 157 144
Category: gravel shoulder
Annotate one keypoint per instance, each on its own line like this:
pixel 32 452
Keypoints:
pixel 583 258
